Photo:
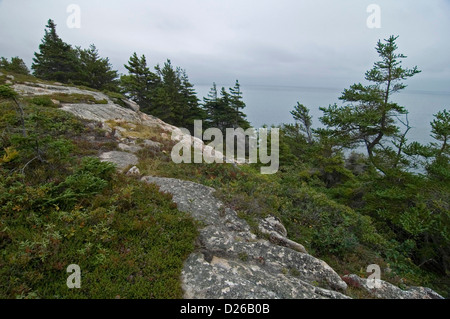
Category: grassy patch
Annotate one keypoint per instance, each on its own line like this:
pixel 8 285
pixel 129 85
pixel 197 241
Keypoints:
pixel 75 98
pixel 58 207
pixel 138 131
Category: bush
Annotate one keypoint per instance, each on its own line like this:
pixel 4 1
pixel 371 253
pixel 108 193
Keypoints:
pixel 42 101
pixel 7 92
pixel 94 166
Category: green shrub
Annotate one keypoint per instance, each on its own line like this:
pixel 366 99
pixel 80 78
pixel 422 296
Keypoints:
pixel 42 101
pixel 94 166
pixel 6 92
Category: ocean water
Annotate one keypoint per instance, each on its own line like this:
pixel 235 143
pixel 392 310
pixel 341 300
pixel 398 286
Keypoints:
pixel 272 105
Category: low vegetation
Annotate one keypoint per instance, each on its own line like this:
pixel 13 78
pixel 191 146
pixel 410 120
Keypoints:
pixel 59 206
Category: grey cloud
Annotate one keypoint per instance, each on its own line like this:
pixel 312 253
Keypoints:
pixel 288 41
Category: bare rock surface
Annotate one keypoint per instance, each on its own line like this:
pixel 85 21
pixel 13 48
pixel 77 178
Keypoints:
pixel 121 159
pixel 383 290
pixel 277 234
pixel 232 262
pixel 101 112
pixel 129 147
pixel 32 89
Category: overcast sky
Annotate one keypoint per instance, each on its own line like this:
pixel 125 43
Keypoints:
pixel 313 43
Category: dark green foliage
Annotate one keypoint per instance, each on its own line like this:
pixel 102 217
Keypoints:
pixel 303 121
pixel 59 61
pixel 167 93
pixel 56 59
pixel 440 127
pixel 16 65
pixel 369 117
pixel 57 209
pixel 237 103
pixel 408 212
pixel 96 72
pixel 175 99
pixel 224 111
pixel 6 92
pixel 140 84
pixel 42 101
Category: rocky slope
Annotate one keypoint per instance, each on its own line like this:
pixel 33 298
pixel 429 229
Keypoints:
pixel 231 261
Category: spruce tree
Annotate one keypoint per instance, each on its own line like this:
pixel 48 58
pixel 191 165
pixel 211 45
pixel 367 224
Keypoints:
pixel 218 109
pixel 96 72
pixel 56 59
pixel 224 112
pixel 168 100
pixel 210 105
pixel 176 101
pixel 16 65
pixel 140 84
pixel 192 109
pixel 237 103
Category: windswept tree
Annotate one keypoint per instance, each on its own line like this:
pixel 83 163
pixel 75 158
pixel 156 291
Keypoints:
pixel 56 59
pixel 16 65
pixel 237 103
pixel 220 114
pixel 303 121
pixel 435 157
pixel 368 115
pixel 96 72
pixel 224 111
pixel 175 98
pixel 192 104
pixel 140 83
pixel 211 107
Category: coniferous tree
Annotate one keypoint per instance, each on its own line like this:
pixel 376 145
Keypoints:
pixel 369 117
pixel 220 114
pixel 168 100
pixel 140 84
pixel 16 65
pixel 96 72
pixel 238 105
pixel 193 111
pixel 303 121
pixel 224 112
pixel 56 59
pixel 176 101
pixel 210 105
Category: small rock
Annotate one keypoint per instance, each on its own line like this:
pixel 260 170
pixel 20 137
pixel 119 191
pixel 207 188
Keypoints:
pixel 117 134
pixel 273 224
pixel 152 144
pixel 11 77
pixel 131 105
pixel 129 148
pixel 121 159
pixel 56 102
pixel 134 171
pixel 277 234
pixel 106 127
pixel 8 82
